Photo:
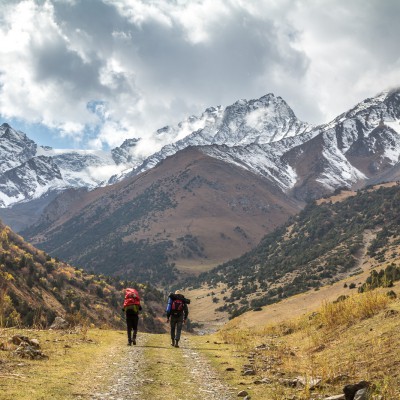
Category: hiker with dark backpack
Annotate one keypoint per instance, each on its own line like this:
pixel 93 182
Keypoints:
pixel 177 312
pixel 131 308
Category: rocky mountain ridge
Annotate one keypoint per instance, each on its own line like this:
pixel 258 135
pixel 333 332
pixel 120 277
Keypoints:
pixel 256 121
pixel 263 136
pixel 265 120
pixel 29 171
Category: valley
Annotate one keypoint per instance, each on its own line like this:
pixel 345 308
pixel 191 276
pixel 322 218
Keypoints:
pixel 284 236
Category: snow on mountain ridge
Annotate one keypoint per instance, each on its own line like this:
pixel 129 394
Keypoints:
pixel 262 135
pixel 28 171
pixel 15 147
pixel 338 140
pixel 264 120
pixel 31 179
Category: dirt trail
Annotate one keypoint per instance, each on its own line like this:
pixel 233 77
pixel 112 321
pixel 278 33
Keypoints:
pixel 205 376
pixel 126 375
pixel 153 369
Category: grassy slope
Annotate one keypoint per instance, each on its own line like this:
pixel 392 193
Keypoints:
pixel 337 350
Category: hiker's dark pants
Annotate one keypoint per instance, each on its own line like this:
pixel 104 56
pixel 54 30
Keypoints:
pixel 176 326
pixel 131 325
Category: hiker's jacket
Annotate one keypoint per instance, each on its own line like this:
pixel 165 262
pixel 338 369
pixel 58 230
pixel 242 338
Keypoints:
pixel 132 309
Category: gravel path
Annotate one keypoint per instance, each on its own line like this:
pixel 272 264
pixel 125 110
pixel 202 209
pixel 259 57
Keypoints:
pixel 206 378
pixel 125 370
pixel 127 379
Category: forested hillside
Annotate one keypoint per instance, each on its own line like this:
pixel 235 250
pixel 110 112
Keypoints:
pixel 322 244
pixel 35 288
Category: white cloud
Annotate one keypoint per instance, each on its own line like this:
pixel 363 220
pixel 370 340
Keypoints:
pixel 103 71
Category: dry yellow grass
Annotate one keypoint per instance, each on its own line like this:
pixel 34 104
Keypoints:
pixel 345 342
pixel 73 358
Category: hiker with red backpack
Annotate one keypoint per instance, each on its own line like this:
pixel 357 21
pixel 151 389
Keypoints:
pixel 131 308
pixel 177 312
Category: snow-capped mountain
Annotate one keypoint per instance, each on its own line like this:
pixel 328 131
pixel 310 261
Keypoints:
pixel 265 120
pixel 222 188
pixel 263 136
pixel 353 149
pixel 15 148
pixel 29 171
pixel 260 121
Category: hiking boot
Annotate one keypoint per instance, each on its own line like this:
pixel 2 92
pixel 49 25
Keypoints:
pixel 134 341
pixel 173 342
pixel 129 343
pixel 176 343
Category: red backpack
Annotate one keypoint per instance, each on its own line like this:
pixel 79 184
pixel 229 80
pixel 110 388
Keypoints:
pixel 131 297
pixel 177 307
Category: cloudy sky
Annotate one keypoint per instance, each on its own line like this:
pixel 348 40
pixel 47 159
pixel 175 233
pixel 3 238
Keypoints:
pixel 91 73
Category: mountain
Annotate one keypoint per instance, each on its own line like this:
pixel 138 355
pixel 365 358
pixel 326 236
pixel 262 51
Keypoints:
pixel 327 241
pixel 191 211
pixel 357 148
pixel 29 171
pixel 262 135
pixel 33 174
pixel 206 204
pixel 265 120
pixel 35 288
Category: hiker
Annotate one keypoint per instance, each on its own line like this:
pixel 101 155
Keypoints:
pixel 177 311
pixel 131 308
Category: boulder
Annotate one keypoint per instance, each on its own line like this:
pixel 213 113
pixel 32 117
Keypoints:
pixel 25 350
pixel 249 372
pixel 310 381
pixel 361 394
pixel 351 390
pixel 59 323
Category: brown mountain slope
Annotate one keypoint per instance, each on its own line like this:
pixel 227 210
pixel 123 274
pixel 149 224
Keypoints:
pixel 192 211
